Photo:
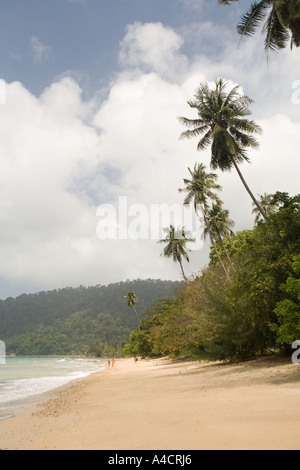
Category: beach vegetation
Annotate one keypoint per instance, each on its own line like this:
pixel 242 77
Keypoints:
pixel 288 310
pixel 257 313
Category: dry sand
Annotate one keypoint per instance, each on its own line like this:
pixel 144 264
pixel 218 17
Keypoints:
pixel 167 405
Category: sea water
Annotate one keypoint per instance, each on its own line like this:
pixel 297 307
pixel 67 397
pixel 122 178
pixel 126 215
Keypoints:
pixel 25 380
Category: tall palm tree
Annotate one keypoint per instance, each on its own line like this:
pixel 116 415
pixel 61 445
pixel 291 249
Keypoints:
pixel 282 22
pixel 220 225
pixel 222 120
pixel 200 189
pixel 132 299
pixel 176 246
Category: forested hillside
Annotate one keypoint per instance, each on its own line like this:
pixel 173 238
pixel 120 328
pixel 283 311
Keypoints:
pixel 84 320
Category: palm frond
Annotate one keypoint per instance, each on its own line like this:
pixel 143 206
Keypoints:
pixel 191 122
pixel 294 8
pixel 287 11
pixel 232 96
pixel 190 134
pixel 250 20
pixel 243 139
pixel 246 125
pixel 205 141
pixel 277 36
pixel 226 2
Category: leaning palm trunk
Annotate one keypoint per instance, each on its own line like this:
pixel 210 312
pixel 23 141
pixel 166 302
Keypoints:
pixel 182 271
pixel 137 314
pixel 261 210
pixel 219 256
pixel 215 246
pixel 226 252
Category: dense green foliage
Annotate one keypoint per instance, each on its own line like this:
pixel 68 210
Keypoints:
pixel 258 311
pixel 85 320
pixel 288 310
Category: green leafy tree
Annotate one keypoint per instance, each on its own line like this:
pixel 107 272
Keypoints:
pixel 148 339
pixel 176 247
pixel 288 310
pixel 253 314
pixel 280 18
pixel 222 120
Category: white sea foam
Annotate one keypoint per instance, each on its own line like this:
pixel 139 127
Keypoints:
pixel 24 380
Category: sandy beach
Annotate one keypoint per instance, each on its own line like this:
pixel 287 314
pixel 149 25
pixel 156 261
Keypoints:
pixel 162 404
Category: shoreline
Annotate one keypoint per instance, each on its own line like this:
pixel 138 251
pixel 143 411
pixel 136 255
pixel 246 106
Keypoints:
pixel 163 404
pixel 37 399
pixel 35 394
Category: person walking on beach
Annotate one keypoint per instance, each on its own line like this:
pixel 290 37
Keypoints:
pixel 108 363
pixel 113 363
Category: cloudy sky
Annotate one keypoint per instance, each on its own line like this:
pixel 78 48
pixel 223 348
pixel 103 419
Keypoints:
pixel 90 93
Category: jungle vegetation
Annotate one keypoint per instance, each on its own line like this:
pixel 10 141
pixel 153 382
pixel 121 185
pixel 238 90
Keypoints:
pixel 246 301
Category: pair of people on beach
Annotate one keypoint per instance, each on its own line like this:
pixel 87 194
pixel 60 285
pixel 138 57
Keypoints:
pixel 112 363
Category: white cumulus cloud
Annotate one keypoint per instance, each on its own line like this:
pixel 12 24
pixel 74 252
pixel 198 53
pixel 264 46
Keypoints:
pixel 152 47
pixel 39 50
pixel 62 157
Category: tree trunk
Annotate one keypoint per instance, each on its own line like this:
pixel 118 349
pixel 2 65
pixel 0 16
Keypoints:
pixel 184 276
pixel 219 257
pixel 226 252
pixel 261 210
pixel 137 314
pixel 215 246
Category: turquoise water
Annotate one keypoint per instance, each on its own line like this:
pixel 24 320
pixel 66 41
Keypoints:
pixel 23 380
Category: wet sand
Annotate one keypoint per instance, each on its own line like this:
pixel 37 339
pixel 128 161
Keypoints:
pixel 162 404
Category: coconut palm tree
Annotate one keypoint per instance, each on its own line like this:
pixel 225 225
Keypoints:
pixel 132 299
pixel 176 246
pixel 281 22
pixel 269 206
pixel 200 189
pixel 220 225
pixel 222 120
